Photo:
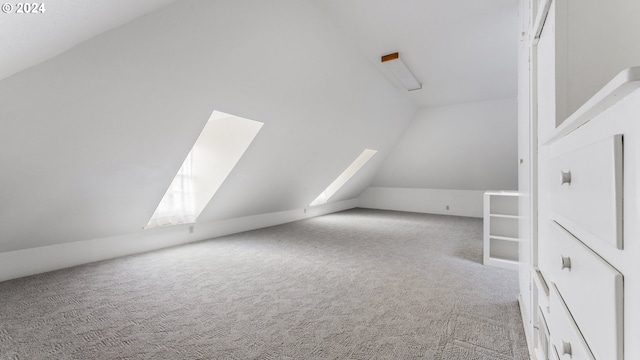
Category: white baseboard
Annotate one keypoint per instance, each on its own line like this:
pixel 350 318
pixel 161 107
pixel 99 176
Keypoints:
pixel 432 201
pixel 19 263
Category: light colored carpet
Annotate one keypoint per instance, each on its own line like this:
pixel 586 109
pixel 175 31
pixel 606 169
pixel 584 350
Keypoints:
pixel 360 284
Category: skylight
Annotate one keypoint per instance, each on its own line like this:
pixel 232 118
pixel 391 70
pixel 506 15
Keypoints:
pixel 221 144
pixel 355 166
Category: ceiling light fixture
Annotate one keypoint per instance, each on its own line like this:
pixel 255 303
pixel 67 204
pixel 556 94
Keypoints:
pixel 401 71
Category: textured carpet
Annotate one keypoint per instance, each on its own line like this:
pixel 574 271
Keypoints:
pixel 360 284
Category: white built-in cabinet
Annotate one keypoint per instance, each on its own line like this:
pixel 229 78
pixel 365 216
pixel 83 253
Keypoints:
pixel 583 297
pixel 589 236
pixel 501 223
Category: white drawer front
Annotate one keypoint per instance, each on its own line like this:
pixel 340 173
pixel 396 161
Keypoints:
pixel 543 346
pixel 593 291
pixel 565 337
pixel 586 191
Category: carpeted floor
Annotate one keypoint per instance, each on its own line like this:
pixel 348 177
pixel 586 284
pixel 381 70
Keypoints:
pixel 360 284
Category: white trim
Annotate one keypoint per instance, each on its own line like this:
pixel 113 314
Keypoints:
pixel 617 89
pixel 527 330
pixel 431 201
pixel 19 263
pixel 541 17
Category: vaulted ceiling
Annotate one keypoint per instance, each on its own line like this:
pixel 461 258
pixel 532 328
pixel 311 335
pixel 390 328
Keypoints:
pixel 29 39
pixel 101 101
pixel 460 50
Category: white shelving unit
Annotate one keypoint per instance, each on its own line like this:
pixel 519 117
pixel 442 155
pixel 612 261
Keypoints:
pixel 501 221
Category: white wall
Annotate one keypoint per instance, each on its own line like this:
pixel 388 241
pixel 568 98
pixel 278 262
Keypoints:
pixel 431 201
pixel 92 138
pixel 446 152
pixel 470 146
pixel 25 262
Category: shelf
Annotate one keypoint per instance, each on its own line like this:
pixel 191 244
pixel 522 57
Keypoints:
pixel 505 216
pixel 501 229
pixel 502 193
pixel 506 261
pixel 626 82
pixel 502 263
pixel 504 249
pixel 503 203
pixel 505 238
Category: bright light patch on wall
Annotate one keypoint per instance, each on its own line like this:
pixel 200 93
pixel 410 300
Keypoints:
pixel 221 144
pixel 358 163
pixel 176 206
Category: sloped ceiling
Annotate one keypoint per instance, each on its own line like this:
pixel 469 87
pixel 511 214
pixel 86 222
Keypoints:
pixel 91 138
pixel 461 50
pixel 28 39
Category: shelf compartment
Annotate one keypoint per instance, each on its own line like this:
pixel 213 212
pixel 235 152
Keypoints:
pixel 503 227
pixel 502 263
pixel 503 249
pixel 504 205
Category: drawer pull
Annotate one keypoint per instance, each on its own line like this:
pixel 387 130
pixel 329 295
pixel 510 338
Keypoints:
pixel 566 348
pixel 566 177
pixel 566 262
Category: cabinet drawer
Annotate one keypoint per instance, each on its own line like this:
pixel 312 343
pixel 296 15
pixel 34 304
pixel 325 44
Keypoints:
pixel 586 191
pixel 593 291
pixel 566 341
pixel 542 334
